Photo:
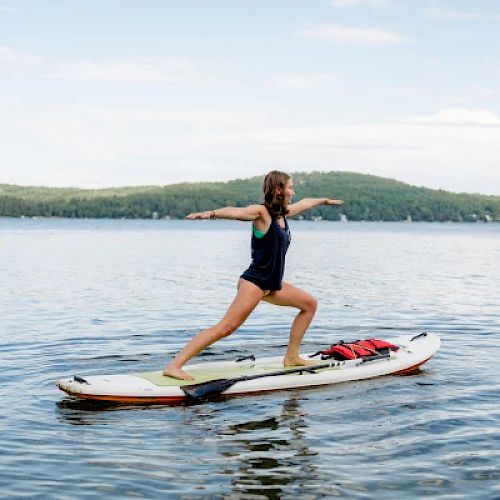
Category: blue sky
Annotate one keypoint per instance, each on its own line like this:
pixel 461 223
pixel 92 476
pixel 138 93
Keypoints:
pixel 97 93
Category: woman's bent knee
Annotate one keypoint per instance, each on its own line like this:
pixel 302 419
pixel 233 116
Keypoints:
pixel 310 305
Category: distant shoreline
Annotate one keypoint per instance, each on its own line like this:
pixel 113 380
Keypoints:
pixel 367 198
pixel 130 219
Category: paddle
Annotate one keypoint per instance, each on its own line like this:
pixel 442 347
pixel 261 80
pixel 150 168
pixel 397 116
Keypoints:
pixel 204 390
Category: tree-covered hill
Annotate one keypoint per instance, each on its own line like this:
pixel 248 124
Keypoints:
pixel 367 197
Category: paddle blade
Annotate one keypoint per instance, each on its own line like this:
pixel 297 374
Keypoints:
pixel 206 389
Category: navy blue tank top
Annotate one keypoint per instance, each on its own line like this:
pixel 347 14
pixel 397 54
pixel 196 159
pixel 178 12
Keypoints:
pixel 268 257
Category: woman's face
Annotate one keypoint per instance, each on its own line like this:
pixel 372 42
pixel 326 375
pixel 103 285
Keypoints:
pixel 289 192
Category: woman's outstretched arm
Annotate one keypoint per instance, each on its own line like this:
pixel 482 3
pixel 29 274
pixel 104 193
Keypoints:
pixel 252 212
pixel 308 203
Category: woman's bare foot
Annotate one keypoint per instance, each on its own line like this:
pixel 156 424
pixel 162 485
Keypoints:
pixel 172 371
pixel 297 361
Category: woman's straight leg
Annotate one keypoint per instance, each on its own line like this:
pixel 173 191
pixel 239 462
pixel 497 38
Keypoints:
pixel 247 298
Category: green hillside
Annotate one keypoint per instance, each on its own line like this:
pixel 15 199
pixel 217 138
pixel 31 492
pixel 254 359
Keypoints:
pixel 366 197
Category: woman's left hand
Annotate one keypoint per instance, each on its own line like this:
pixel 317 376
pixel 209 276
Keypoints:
pixel 328 201
pixel 208 214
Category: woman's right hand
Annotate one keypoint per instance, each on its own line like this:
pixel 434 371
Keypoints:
pixel 328 201
pixel 208 214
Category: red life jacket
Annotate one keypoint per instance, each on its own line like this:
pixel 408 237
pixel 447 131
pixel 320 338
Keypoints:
pixel 358 349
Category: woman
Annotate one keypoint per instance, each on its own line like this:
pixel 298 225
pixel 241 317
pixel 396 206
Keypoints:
pixel 263 279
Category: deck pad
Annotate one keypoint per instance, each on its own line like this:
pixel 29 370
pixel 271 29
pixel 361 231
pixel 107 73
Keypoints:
pixel 206 374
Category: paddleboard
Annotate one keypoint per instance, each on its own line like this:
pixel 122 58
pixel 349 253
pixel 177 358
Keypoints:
pixel 155 388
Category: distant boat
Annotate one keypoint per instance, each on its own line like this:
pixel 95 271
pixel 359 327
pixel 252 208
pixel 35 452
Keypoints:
pixel 343 218
pixel 317 218
pixel 408 219
pixel 491 218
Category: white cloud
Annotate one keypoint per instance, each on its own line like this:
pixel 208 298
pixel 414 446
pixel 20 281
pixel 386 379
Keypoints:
pixel 458 117
pixel 93 146
pixel 408 90
pixel 457 158
pixel 353 36
pixel 405 134
pixel 360 3
pixel 7 8
pixel 301 81
pixel 147 71
pixel 483 91
pixel 440 13
pixel 176 71
pixel 103 146
pixel 18 58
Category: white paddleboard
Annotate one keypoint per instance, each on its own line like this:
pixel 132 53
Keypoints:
pixel 155 388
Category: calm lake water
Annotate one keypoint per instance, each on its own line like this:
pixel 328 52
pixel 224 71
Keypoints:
pixel 100 296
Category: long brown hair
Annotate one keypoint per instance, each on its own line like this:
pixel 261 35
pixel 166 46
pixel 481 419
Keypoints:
pixel 275 202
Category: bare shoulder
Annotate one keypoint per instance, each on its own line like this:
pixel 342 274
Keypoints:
pixel 263 219
pixel 260 211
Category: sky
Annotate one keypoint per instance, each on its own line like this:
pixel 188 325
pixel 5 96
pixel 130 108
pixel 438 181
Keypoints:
pixel 100 93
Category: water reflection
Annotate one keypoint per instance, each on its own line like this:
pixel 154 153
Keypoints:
pixel 270 454
pixel 82 412
pixel 263 456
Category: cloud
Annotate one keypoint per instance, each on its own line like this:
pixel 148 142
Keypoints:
pixel 391 135
pixel 146 71
pixel 353 36
pixel 175 71
pixel 360 3
pixel 458 117
pixel 102 146
pixel 440 13
pixel 97 146
pixel 299 81
pixel 483 91
pixel 408 90
pixel 7 8
pixel 362 137
pixel 18 58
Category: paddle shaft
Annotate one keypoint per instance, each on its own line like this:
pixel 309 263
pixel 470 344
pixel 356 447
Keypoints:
pixel 213 387
pixel 310 368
